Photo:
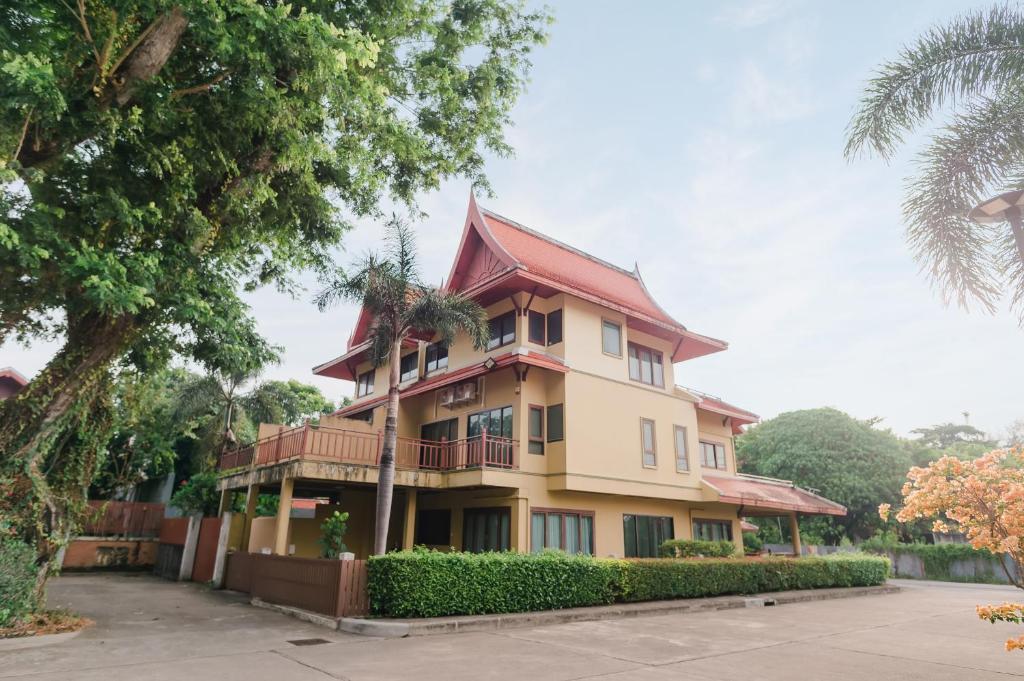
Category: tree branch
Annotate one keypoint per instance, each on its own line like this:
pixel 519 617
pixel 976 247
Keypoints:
pixel 196 89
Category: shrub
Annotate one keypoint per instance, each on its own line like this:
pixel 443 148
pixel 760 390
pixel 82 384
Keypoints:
pixel 198 494
pixel 645 580
pixel 695 548
pixel 332 535
pixel 431 584
pixel 752 543
pixel 937 559
pixel 17 581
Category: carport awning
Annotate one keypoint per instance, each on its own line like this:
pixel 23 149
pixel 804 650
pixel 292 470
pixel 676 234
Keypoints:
pixel 759 496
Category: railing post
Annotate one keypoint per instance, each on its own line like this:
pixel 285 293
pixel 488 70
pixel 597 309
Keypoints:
pixel 305 436
pixel 483 448
pixel 442 454
pixel 277 448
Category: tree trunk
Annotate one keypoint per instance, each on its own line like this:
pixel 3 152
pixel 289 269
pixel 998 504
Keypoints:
pixel 50 434
pixel 386 481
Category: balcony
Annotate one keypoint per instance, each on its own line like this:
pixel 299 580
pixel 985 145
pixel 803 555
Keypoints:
pixel 324 444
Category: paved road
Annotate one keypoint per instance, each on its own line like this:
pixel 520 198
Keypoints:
pixel 152 630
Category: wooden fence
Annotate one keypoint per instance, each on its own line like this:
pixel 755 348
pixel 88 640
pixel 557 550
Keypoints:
pixel 123 519
pixel 330 587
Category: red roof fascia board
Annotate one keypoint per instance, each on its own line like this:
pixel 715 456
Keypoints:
pixel 739 416
pixel 13 374
pixel 777 495
pixel 472 371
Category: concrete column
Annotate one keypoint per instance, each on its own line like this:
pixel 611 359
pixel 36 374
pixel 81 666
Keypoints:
pixel 409 529
pixel 284 512
pixel 519 529
pixel 252 495
pixel 737 535
pixel 225 501
pixel 221 558
pixel 188 554
pixel 794 530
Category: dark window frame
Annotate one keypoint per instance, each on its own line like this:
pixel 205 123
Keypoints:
pixel 367 384
pixel 657 378
pixel 469 419
pixel 418 535
pixel 560 407
pixel 716 446
pixel 663 525
pixel 562 513
pixel 556 337
pixel 409 374
pixel 501 320
pixel 712 521
pixel 532 315
pixel 504 540
pixel 535 442
pixel 436 349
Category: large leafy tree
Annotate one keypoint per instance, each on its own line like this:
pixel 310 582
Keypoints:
pixel 158 155
pixel 972 67
pixel 389 287
pixel 846 460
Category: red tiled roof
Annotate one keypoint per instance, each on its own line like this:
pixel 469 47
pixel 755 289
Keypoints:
pixel 540 254
pixel 12 374
pixel 740 417
pixel 434 382
pixel 755 493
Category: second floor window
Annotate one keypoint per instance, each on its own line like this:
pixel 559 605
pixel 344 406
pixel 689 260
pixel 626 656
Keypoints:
pixel 410 366
pixel 554 327
pixel 647 439
pixel 682 460
pixel 645 365
pixel 712 455
pixel 556 423
pixel 364 383
pixel 536 445
pixel 503 330
pixel 498 423
pixel 611 338
pixel 437 356
pixel 537 327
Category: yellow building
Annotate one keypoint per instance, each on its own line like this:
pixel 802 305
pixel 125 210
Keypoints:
pixel 569 431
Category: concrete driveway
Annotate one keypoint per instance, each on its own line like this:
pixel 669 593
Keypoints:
pixel 149 629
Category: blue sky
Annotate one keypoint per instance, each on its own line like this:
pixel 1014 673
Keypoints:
pixel 703 140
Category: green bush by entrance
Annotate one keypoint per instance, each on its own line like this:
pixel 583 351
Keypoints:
pixel 432 584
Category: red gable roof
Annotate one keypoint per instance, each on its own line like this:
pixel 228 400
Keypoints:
pixel 740 417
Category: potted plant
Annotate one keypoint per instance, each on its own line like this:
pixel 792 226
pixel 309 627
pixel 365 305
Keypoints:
pixel 332 536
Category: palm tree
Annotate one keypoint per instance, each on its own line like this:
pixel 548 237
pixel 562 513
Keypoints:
pixel 212 404
pixel 389 288
pixel 974 65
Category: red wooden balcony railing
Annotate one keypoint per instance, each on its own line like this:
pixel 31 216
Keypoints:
pixel 319 443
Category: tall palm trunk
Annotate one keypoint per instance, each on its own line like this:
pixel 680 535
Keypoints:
pixel 386 481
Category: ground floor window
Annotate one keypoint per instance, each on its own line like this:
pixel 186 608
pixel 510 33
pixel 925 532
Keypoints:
pixel 712 530
pixel 570 531
pixel 644 534
pixel 486 529
pixel 433 527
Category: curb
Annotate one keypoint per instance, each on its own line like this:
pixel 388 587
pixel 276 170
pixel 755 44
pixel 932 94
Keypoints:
pixel 400 628
pixel 23 642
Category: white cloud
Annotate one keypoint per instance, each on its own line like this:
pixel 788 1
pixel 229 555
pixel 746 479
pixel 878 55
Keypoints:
pixel 751 14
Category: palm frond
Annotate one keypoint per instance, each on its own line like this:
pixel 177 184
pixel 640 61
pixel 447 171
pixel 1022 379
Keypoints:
pixel 972 56
pixel 964 163
pixel 402 250
pixel 447 313
pixel 383 335
pixel 200 396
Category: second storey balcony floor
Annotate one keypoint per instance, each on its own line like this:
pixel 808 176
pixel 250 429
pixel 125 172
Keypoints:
pixel 340 454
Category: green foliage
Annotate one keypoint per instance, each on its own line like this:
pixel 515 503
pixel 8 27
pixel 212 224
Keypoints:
pixel 198 494
pixel 168 157
pixel 972 67
pixel 17 581
pixel 846 460
pixel 654 579
pixel 937 559
pixel 332 535
pixel 692 548
pixel 433 584
pixel 285 402
pixel 752 543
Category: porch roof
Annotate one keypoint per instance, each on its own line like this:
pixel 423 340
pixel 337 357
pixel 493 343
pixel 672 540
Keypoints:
pixel 521 356
pixel 759 496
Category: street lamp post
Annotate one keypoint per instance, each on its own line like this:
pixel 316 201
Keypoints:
pixel 1003 208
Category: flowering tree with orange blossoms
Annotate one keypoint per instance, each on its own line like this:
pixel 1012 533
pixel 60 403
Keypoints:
pixel 984 498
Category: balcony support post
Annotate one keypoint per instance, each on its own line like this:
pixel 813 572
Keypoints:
pixel 794 530
pixel 284 513
pixel 252 494
pixel 409 530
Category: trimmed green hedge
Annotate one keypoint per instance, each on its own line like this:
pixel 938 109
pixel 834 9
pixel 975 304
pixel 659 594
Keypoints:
pixel 938 559
pixel 693 548
pixel 432 584
pixel 648 580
